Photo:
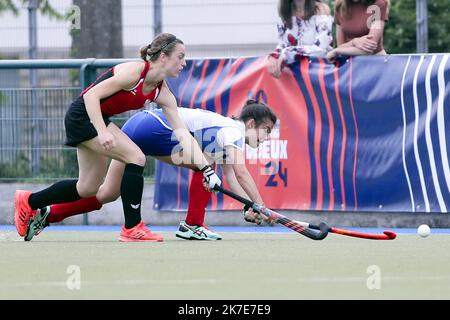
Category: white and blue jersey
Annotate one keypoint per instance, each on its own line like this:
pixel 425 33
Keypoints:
pixel 151 132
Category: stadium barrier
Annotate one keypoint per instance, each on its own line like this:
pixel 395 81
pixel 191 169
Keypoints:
pixel 32 128
pixel 367 134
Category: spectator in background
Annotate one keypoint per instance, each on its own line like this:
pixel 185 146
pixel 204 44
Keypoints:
pixel 359 27
pixel 304 29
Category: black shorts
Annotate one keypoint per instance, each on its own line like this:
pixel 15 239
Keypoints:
pixel 79 127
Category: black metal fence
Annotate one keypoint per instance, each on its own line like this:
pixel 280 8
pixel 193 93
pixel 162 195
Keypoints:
pixel 32 131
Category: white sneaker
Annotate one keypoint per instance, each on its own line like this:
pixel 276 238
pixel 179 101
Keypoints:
pixel 37 223
pixel 188 232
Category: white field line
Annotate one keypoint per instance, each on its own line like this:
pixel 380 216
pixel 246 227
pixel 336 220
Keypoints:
pixel 311 280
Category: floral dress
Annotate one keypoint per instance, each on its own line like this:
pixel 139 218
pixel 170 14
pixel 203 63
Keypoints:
pixel 306 38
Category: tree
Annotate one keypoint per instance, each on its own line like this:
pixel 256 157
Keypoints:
pixel 438 29
pixel 100 32
pixel 400 30
pixel 43 5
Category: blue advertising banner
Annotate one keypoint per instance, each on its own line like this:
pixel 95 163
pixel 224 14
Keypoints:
pixel 367 134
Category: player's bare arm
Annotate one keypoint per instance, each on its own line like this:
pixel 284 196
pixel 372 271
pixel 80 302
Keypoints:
pixel 237 159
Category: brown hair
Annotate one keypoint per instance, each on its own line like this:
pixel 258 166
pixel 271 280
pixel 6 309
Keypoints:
pixel 286 10
pixel 344 7
pixel 164 42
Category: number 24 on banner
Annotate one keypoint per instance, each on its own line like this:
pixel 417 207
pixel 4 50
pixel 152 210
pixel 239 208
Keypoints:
pixel 276 172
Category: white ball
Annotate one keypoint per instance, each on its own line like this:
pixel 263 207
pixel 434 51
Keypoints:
pixel 424 230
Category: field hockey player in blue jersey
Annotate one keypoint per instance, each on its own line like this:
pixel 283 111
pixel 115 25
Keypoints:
pixel 222 140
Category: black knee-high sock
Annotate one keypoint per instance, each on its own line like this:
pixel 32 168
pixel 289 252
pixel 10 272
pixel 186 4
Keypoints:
pixel 60 192
pixel 131 191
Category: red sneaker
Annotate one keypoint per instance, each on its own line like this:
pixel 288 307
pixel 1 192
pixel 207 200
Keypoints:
pixel 139 233
pixel 22 211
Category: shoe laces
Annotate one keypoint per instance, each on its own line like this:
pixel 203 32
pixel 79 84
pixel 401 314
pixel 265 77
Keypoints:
pixel 142 228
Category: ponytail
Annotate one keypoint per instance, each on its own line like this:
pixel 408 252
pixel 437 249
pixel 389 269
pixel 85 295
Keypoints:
pixel 257 111
pixel 163 43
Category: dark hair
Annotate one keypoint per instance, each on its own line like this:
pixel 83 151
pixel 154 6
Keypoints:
pixel 344 7
pixel 257 111
pixel 165 42
pixel 286 10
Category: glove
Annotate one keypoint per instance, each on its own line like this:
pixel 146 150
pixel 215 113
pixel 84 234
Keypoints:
pixel 210 178
pixel 256 217
pixel 252 216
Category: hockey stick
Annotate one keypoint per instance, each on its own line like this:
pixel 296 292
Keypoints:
pixel 387 235
pixel 318 234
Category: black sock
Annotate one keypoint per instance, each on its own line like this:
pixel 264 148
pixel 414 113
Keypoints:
pixel 131 190
pixel 60 192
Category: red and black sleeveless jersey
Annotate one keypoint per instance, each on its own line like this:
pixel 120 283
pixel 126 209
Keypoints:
pixel 124 100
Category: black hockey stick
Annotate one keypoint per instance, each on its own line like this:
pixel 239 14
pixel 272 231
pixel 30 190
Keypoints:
pixel 279 218
pixel 387 235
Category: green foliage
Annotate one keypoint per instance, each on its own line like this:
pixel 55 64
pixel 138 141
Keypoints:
pixel 400 30
pixel 53 166
pixel 18 169
pixel 43 5
pixel 8 5
pixel 439 26
pixel 48 10
pixel 61 165
pixel 3 99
